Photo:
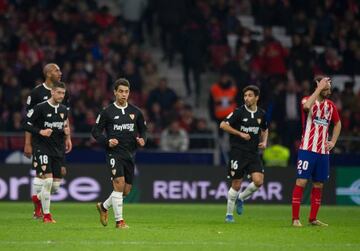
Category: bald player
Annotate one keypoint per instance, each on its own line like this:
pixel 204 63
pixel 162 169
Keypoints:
pixel 39 94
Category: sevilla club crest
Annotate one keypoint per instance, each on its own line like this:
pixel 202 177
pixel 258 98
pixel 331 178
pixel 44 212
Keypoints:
pixel 132 116
pixel 62 115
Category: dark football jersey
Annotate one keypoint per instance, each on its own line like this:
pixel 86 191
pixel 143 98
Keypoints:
pixel 43 116
pixel 250 122
pixel 123 124
pixel 40 94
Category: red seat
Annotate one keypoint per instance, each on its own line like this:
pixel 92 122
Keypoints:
pixel 4 143
pixel 17 143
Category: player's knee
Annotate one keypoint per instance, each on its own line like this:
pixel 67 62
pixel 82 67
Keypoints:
pixel 55 186
pixel 127 189
pixel 258 183
pixel 48 184
pixel 318 185
pixel 236 184
pixel 301 182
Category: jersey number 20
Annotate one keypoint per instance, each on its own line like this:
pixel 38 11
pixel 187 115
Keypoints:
pixel 302 165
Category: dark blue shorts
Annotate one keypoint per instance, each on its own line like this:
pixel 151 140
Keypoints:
pixel 313 165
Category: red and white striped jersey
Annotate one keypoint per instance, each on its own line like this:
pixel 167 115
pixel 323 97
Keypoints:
pixel 316 125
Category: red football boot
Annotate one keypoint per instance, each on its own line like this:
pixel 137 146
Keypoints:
pixel 37 207
pixel 48 219
pixel 121 224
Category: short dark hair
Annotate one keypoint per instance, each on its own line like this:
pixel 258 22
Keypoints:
pixel 121 81
pixel 58 84
pixel 253 88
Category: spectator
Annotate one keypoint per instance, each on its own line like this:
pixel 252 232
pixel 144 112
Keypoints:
pixel 287 114
pixel 193 49
pixel 348 97
pixel 201 137
pixel 223 95
pixel 187 119
pixel 150 76
pixel 164 96
pixel 174 138
pixel 274 55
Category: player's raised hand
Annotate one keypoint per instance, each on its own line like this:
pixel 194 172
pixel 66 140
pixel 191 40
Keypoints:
pixel 113 142
pixel 46 132
pixel 262 145
pixel 329 145
pixel 324 83
pixel 245 136
pixel 140 141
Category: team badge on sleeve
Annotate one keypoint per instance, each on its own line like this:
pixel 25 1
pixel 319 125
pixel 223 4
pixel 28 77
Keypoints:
pixel 30 113
pixel 132 116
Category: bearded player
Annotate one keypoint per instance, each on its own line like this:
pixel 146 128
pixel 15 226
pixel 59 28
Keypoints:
pixel 313 155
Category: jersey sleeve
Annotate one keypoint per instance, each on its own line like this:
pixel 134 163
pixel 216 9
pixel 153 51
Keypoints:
pixel 29 122
pixel 264 123
pixel 303 101
pixel 335 115
pixel 66 101
pixel 233 117
pixel 31 100
pixel 141 125
pixel 98 129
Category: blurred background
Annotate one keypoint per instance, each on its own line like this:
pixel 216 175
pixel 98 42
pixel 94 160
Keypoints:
pixel 174 53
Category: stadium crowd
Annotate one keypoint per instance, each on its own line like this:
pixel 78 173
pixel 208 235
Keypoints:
pixel 95 44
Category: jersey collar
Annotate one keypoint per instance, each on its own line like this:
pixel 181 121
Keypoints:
pixel 251 112
pixel 45 86
pixel 54 106
pixel 121 108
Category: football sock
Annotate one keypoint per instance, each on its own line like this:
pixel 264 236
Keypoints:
pixel 315 202
pixel 37 184
pixel 45 195
pixel 232 194
pixel 117 203
pixel 296 201
pixel 107 203
pixel 250 189
pixel 55 186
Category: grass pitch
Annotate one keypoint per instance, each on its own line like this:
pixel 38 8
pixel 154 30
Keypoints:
pixel 177 227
